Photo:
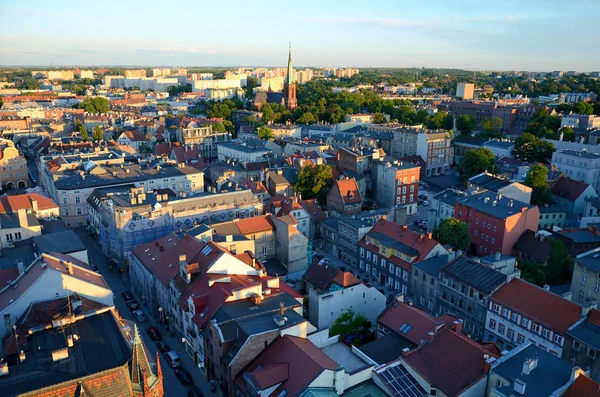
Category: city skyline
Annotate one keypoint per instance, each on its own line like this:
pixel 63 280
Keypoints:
pixel 464 34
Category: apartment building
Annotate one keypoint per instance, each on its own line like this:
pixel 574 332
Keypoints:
pixel 433 146
pixel 585 284
pixel 260 230
pixel 395 182
pixel 244 153
pixel 388 251
pixel 343 198
pixel 192 132
pixel 340 235
pixel 572 194
pixel 520 312
pixel 442 207
pixel 134 73
pixel 465 288
pixel 501 185
pixel 14 167
pixel 580 165
pixel 465 90
pixel 495 222
pixel 582 344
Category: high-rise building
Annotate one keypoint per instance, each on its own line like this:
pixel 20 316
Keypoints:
pixel 465 90
pixel 289 88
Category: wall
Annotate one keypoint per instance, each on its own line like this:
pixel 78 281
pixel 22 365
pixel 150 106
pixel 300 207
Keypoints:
pixel 516 193
pixel 516 225
pixel 81 255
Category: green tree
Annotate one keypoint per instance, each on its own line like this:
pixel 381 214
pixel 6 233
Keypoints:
pixel 251 83
pixel 440 120
pixel 465 124
pixel 348 323
pixel 560 264
pixel 491 124
pixel 532 272
pixel 529 147
pixel 97 134
pixel 583 108
pixel 537 179
pixel 454 232
pixel 95 105
pixel 84 133
pixel 219 127
pixel 30 83
pixel 216 110
pixel 146 147
pixel 568 135
pixel 314 181
pixel 475 162
pixel 379 118
pixel 265 133
pixel 307 118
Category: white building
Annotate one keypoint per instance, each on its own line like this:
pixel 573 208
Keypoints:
pixel 465 90
pixel 582 165
pixel 241 152
pixel 201 85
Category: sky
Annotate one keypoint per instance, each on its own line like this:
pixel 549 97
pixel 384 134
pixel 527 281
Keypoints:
pixel 536 35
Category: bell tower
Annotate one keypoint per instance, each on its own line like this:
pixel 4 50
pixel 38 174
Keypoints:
pixel 289 87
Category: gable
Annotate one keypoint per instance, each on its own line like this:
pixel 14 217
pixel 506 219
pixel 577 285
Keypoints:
pixel 227 264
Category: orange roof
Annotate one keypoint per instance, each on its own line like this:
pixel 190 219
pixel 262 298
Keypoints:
pixel 348 190
pixel 583 387
pixel 24 201
pixel 421 322
pixel 594 317
pixel 541 306
pixel 255 224
pixel 345 279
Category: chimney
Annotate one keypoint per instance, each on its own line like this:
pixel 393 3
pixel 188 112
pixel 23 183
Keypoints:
pixel 488 363
pixel 229 238
pixel 75 303
pixel 585 309
pixel 498 255
pixel 69 267
pixel 400 298
pixel 21 266
pixel 405 352
pixel 494 203
pixel 458 326
pixel 546 287
pixel 34 206
pixel 22 214
pixel 529 365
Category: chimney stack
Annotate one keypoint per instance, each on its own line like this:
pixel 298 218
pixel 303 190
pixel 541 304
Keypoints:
pixel 22 214
pixel 34 206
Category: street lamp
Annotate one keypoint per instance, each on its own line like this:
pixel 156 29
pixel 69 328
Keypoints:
pixel 17 342
pixel 162 319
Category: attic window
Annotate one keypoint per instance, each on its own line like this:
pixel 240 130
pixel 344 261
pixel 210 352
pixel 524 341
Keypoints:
pixel 203 312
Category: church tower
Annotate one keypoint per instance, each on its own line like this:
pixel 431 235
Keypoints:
pixel 289 87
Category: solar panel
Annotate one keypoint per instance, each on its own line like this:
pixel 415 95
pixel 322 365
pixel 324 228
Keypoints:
pixel 206 250
pixel 402 383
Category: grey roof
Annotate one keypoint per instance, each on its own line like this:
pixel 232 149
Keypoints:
pixel 11 220
pixel 242 196
pixel 438 183
pixel 493 258
pixel 552 208
pixel 274 268
pixel 499 144
pixel 579 153
pixel 390 242
pixel 591 261
pixel 244 148
pixel 587 333
pixel 490 182
pixel 478 276
pixel 386 349
pixel 595 201
pixel 551 373
pixel 580 236
pixel 200 229
pixel 63 242
pixel 402 165
pixel 101 347
pixel 469 141
pixel 433 265
pixel 448 196
pixel 502 209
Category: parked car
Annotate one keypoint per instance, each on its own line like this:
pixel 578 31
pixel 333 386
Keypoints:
pixel 132 305
pixel 195 392
pixel 426 203
pixel 183 375
pixel 173 359
pixel 318 257
pixel 323 261
pixel 162 346
pixel 127 295
pixel 423 197
pixel 153 333
pixel 139 315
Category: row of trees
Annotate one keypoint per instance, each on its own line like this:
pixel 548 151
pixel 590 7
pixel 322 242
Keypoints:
pixel 97 133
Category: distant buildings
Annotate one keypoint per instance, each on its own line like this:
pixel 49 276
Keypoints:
pixel 465 90
pixel 135 73
pixel 14 172
pixel 434 147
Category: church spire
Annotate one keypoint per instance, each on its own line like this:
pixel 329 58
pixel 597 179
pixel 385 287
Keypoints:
pixel 289 69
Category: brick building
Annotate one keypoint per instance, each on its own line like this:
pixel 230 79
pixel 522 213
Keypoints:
pixel 343 198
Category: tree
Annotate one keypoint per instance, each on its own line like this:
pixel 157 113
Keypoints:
pixel 219 127
pixel 97 134
pixel 465 124
pixel 307 118
pixel 30 83
pixel 348 323
pixel 314 181
pixel 583 108
pixel 568 135
pixel 560 264
pixel 216 110
pixel 529 147
pixel 537 179
pixel 491 124
pixel 379 118
pixel 95 105
pixel 440 120
pixel 475 162
pixel 454 232
pixel 83 132
pixel 265 133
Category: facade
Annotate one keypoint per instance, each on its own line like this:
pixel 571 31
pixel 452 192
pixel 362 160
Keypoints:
pixel 582 166
pixel 495 222
pixel 582 343
pixel 343 198
pixel 465 90
pixel 425 282
pixel 585 284
pixel 14 167
pixel 500 148
pixel 395 183
pixel 433 146
pixel 17 227
pixel 552 215
pixel 340 235
pixel 521 312
pixel 465 287
pixel 388 251
pixel 134 73
pixel 442 207
pixel 504 186
pixel 203 136
pixel 258 229
pixel 572 194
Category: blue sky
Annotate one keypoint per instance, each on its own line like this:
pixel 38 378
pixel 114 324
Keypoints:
pixel 508 34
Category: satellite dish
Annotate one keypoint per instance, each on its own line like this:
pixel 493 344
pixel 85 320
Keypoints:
pixel 486 356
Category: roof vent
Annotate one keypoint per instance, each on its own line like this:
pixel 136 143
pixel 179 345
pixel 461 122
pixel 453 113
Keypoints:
pixel 519 386
pixel 60 354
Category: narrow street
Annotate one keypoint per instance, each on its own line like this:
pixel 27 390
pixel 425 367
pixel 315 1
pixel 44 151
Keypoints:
pixel 172 386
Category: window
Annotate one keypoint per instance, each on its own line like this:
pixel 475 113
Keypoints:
pixel 510 334
pixel 501 329
pixel 362 252
pixel 546 333
pixel 79 212
pixel 492 324
pixel 591 353
pixel 514 317
pixel 397 285
pixel 505 313
pixel 583 280
pixel 383 260
pixel 580 296
pixel 499 383
pixel 596 287
pixel 576 345
pixel 64 200
pixel 520 339
pixel 391 268
pixel 585 269
pixel 265 250
pixel 375 259
pixel 368 255
pixel 405 276
pixel 494 228
pixel 474 233
pixel 18 236
pixel 496 308
pixel 9 237
pixel 430 305
pixel 77 200
pixel 535 328
pixel 557 339
pixel 493 240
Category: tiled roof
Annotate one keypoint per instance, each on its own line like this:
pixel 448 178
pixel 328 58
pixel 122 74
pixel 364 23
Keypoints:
pixel 535 247
pixel 478 276
pixel 345 279
pixel 451 362
pixel 421 323
pixel 568 188
pixel 583 387
pixel 541 306
pixel 348 190
pixel 282 205
pixel 321 276
pixel 306 362
pixel 255 224
pixel 314 209
pixel 14 203
pixel 269 375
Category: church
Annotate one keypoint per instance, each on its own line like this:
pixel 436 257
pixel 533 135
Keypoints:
pixel 286 98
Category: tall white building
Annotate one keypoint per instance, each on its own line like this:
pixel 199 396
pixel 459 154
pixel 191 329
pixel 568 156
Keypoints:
pixel 583 166
pixel 465 90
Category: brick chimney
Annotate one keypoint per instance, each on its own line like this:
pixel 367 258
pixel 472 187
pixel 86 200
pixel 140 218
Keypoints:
pixel 458 326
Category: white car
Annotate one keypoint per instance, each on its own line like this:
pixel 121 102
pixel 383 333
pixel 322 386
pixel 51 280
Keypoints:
pixel 139 315
pixel 425 203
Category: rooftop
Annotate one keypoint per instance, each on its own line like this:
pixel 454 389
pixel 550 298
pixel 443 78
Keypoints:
pixel 568 189
pixel 484 202
pixel 579 236
pixel 590 259
pixel 63 242
pixel 588 331
pixel 583 387
pixel 579 153
pixel 433 265
pixel 344 357
pixel 489 182
pixel 499 144
pixel 474 274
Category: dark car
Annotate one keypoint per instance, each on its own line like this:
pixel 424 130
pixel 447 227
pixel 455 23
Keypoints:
pixel 132 305
pixel 153 333
pixel 183 375
pixel 127 295
pixel 195 392
pixel 162 346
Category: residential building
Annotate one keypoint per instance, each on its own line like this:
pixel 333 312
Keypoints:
pixel 552 215
pixel 49 276
pixel 463 144
pixel 395 183
pixel 60 342
pixel 582 344
pixel 465 90
pixel 298 209
pixel 341 234
pixel 581 165
pixel 464 291
pixel 259 230
pixel 578 241
pixel 495 222
pixel 521 312
pixel 332 292
pixel 528 370
pixel 343 198
pixel 450 364
pixel 359 118
pixel 388 251
pixel 242 152
pixel 18 226
pixel 572 195
pixel 533 246
pixel 40 206
pixel 193 132
pixel 504 186
pixel 433 146
pixel 442 207
pixel 135 139
pixel 425 282
pixel 286 130
pixel 585 284
pixel 500 148
pixel 14 167
pixel 63 242
pixel 278 184
pixel 134 73
pixel 583 386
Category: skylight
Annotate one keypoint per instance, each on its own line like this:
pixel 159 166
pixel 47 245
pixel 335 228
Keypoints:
pixel 206 250
pixel 405 328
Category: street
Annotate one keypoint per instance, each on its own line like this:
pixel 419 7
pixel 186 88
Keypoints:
pixel 172 386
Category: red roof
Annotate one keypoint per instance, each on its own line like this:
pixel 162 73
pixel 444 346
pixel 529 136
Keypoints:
pixel 345 279
pixel 254 224
pixel 421 322
pixel 14 203
pixel 583 387
pixel 305 363
pixel 594 317
pixel 451 362
pixel 314 210
pixel 284 204
pixel 162 149
pixel 269 375
pixel 568 188
pixel 348 190
pixel 541 306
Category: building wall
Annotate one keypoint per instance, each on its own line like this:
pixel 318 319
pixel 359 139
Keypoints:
pixel 393 186
pixel 580 168
pixel 585 284
pixel 424 291
pixel 580 357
